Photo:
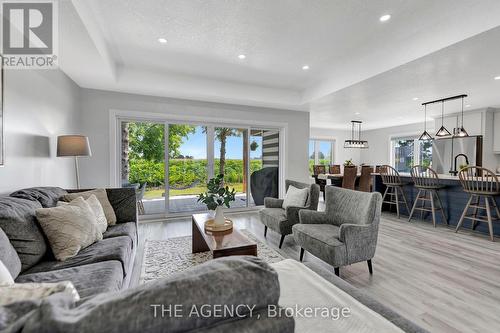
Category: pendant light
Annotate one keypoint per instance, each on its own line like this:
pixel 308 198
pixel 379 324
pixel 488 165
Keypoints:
pixel 461 132
pixel 425 136
pixel 442 131
pixel 355 143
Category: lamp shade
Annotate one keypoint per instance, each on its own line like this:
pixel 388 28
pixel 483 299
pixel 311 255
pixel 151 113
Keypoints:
pixel 73 145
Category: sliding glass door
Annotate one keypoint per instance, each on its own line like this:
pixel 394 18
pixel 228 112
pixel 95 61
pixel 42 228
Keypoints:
pixel 142 164
pixel 169 164
pixel 187 167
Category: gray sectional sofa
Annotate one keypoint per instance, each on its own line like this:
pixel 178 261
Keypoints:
pixel 103 266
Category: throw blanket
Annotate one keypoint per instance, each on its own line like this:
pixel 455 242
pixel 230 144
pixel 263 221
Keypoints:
pixel 244 283
pixel 303 289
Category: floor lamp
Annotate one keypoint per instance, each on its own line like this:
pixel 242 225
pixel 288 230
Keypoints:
pixel 74 146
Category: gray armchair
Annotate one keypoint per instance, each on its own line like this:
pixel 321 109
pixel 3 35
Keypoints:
pixel 346 232
pixel 281 220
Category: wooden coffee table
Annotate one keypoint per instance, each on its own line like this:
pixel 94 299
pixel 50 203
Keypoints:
pixel 221 243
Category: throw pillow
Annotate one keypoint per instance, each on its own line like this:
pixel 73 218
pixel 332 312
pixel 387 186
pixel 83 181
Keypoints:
pixel 5 277
pixel 102 196
pixel 95 205
pixel 18 292
pixel 69 228
pixel 295 197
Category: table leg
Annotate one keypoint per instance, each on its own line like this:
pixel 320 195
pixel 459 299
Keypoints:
pixel 198 241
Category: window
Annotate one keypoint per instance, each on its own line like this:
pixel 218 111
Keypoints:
pixel 320 153
pixel 409 151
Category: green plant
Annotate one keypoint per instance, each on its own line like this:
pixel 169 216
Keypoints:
pixel 216 194
pixel 348 163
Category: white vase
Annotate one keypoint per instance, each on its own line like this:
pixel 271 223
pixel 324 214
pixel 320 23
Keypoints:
pixel 219 216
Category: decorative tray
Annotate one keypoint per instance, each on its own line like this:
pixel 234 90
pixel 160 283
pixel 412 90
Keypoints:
pixel 210 225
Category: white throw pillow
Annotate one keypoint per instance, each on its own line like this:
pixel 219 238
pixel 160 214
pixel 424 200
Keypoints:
pixel 96 206
pixel 102 196
pixel 69 228
pixel 5 277
pixel 295 197
pixel 17 292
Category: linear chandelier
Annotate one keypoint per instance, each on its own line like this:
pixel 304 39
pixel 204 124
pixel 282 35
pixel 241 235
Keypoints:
pixel 356 143
pixel 461 132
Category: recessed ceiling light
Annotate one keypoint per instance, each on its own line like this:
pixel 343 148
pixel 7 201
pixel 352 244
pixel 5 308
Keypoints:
pixel 305 67
pixel 162 40
pixel 497 77
pixel 467 106
pixel 385 18
pixel 357 113
pixel 415 98
pixel 242 56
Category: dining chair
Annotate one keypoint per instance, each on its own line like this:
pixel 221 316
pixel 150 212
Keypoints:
pixel 349 179
pixel 365 181
pixel 319 170
pixel 335 169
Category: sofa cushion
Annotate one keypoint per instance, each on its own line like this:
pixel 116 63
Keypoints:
pixel 18 221
pixel 115 248
pixel 123 229
pixel 102 196
pixel 46 196
pixel 69 228
pixel 88 280
pixel 95 205
pixel 8 256
pixel 322 240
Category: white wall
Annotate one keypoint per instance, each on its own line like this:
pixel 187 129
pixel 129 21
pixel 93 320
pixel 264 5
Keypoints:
pixel 96 106
pixel 379 141
pixel 38 106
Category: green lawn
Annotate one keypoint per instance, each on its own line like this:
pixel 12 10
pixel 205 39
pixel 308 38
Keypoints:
pixel 158 193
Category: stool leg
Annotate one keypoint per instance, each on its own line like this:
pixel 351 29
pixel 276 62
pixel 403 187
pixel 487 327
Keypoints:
pixel 433 209
pixel 463 214
pixel 488 212
pixel 397 200
pixel 404 199
pixel 442 208
pixel 474 214
pixel 414 205
pixel 423 205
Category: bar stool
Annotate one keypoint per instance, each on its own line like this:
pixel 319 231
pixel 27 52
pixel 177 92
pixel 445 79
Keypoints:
pixel 480 183
pixel 427 182
pixel 394 186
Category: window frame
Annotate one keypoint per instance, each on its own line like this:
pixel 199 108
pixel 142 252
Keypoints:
pixel 416 149
pixel 316 145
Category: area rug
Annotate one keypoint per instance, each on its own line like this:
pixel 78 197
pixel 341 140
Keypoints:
pixel 166 257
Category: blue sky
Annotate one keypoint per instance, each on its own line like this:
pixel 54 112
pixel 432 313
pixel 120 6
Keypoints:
pixel 195 145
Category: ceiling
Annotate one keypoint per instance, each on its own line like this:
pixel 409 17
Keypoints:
pixel 428 49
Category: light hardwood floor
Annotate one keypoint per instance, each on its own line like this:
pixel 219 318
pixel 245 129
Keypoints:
pixel 444 282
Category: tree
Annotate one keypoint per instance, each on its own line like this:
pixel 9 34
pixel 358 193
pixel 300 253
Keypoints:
pixel 125 149
pixel 147 140
pixel 222 133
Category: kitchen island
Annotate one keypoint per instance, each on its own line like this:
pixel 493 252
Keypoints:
pixel 452 195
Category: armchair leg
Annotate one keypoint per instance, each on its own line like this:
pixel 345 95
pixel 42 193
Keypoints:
pixel 370 269
pixel 337 271
pixel 265 230
pixel 301 254
pixel 281 240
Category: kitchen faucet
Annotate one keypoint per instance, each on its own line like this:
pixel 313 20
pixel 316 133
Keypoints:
pixel 454 171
